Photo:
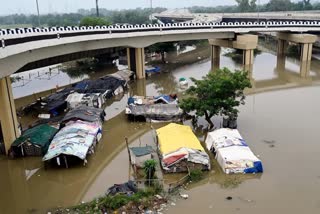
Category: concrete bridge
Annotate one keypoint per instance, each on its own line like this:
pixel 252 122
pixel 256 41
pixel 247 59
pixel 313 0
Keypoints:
pixel 20 47
pixel 184 15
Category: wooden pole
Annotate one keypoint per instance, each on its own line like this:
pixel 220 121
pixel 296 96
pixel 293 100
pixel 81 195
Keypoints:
pixel 128 149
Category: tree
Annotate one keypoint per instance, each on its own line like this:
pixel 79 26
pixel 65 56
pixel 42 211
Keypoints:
pixel 279 5
pixel 218 93
pixel 162 48
pixel 94 21
pixel 149 168
pixel 246 5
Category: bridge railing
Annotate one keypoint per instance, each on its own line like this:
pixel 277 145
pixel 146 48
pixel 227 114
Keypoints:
pixel 22 35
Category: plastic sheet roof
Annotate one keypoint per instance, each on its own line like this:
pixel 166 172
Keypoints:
pixel 175 136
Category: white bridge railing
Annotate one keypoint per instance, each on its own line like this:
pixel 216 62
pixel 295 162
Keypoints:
pixel 21 35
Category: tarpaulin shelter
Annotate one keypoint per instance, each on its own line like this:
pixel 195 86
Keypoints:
pixel 140 154
pixel 76 139
pixel 156 112
pixel 180 149
pixel 84 113
pixel 161 99
pixel 33 142
pixel 92 100
pixel 232 152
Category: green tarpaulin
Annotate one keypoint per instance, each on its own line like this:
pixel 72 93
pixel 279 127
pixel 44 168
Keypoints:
pixel 39 136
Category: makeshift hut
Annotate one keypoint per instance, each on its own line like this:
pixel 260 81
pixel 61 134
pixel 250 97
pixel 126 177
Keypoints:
pixel 232 152
pixel 92 100
pixel 84 113
pixel 180 150
pixel 161 99
pixel 139 155
pixel 77 139
pixel 156 112
pixel 33 142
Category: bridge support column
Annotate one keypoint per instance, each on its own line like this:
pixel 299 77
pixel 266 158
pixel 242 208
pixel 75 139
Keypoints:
pixel 215 57
pixel 306 41
pixel 305 59
pixel 248 58
pixel 135 57
pixel 247 43
pixel 282 47
pixel 8 116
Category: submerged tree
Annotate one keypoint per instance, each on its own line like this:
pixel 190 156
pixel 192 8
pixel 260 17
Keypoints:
pixel 218 93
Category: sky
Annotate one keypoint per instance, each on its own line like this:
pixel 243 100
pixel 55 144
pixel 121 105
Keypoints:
pixel 66 6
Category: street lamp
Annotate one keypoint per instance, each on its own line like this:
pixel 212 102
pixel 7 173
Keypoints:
pixel 151 7
pixel 97 8
pixel 38 12
pixel 258 10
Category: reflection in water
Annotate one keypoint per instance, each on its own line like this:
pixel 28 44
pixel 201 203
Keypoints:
pixel 28 187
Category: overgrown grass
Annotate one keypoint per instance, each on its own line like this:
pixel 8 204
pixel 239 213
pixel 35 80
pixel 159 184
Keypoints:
pixel 111 203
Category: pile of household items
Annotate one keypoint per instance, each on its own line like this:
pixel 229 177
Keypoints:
pixel 154 108
pixel 232 152
pixel 180 150
pixel 92 93
pixel 81 130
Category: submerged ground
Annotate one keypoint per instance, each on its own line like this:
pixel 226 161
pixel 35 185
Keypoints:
pixel 279 122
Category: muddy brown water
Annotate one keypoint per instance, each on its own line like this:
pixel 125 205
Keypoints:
pixel 279 121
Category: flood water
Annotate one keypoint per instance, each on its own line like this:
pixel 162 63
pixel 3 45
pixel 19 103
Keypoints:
pixel 279 122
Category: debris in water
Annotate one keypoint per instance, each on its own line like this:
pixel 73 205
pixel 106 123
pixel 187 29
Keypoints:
pixel 229 198
pixel 184 196
pixel 173 204
pixel 158 196
pixel 246 200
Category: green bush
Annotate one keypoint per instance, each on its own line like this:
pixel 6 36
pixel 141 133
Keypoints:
pixel 196 175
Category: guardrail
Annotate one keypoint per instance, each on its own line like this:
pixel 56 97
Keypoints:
pixel 21 35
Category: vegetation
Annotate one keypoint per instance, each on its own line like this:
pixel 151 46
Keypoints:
pixel 237 54
pixel 218 93
pixel 133 16
pixel 111 203
pixel 246 5
pixel 141 15
pixel 149 168
pixel 94 21
pixel 162 48
pixel 196 175
pixel 251 6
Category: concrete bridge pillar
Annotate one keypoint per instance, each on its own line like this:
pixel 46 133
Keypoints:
pixel 8 116
pixel 135 58
pixel 215 57
pixel 248 57
pixel 246 42
pixel 305 41
pixel 282 47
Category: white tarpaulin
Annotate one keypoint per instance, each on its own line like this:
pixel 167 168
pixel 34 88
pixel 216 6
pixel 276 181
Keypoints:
pixel 224 138
pixel 232 152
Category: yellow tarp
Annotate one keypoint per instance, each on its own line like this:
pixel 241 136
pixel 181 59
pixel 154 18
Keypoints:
pixel 174 136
